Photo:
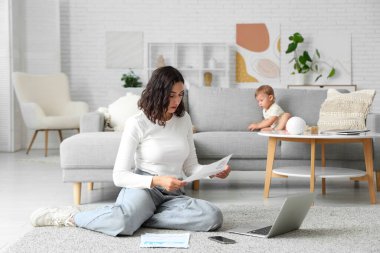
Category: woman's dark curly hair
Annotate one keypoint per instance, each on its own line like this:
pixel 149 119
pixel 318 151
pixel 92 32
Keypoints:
pixel 155 99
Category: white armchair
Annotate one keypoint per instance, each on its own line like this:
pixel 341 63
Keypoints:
pixel 46 104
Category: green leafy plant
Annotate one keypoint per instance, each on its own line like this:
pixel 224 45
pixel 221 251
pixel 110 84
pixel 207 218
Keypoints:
pixel 131 80
pixel 303 63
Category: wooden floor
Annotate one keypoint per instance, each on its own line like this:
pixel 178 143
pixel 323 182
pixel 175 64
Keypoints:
pixel 28 182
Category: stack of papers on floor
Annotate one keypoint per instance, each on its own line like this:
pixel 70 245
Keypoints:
pixel 150 240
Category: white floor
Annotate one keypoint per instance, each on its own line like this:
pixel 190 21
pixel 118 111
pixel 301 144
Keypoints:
pixel 30 181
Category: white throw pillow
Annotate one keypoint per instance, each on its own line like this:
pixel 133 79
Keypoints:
pixel 343 111
pixel 122 109
pixel 107 118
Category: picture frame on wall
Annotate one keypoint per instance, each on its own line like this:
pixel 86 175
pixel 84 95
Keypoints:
pixel 258 53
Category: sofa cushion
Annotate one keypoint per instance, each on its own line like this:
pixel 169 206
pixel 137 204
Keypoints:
pixel 301 103
pixel 231 109
pixel 222 109
pixel 243 145
pixel 94 150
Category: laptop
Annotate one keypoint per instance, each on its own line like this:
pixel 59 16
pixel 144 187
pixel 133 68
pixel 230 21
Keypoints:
pixel 291 216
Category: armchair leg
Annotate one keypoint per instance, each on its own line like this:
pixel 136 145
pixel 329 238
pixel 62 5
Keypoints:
pixel 31 142
pixel 77 192
pixel 60 135
pixel 46 141
pixel 47 137
pixel 378 181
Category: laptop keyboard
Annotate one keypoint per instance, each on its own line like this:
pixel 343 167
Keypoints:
pixel 261 231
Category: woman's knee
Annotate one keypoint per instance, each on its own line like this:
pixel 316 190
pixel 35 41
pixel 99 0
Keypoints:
pixel 214 218
pixel 134 196
pixel 123 222
pixel 132 208
pixel 108 220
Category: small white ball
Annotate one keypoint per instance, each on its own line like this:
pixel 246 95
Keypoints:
pixel 295 125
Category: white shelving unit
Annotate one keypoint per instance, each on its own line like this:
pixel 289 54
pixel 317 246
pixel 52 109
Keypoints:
pixel 193 61
pixel 350 87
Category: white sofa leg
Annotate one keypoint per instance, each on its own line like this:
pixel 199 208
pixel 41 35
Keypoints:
pixel 77 192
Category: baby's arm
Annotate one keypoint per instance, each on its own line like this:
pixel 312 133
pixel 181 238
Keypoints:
pixel 283 120
pixel 263 124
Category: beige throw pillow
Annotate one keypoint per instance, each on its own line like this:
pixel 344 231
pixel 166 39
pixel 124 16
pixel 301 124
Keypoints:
pixel 343 111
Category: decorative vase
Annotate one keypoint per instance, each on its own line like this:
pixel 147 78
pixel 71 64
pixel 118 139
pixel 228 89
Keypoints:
pixel 302 79
pixel 160 61
pixel 212 63
pixel 299 79
pixel 207 76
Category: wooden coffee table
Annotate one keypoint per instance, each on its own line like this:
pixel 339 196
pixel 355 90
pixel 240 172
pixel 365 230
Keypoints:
pixel 322 172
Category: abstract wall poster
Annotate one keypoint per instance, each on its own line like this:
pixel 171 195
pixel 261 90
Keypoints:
pixel 124 50
pixel 258 53
pixel 335 51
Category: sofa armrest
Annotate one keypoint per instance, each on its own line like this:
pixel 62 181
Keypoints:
pixel 373 122
pixel 92 122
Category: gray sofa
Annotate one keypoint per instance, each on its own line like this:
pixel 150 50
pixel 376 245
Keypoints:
pixel 220 117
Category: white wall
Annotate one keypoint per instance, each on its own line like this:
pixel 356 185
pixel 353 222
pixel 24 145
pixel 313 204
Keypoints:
pixel 42 36
pixel 6 142
pixel 84 25
pixel 18 64
pixel 36 49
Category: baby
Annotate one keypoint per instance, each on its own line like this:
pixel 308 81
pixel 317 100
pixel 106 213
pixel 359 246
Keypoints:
pixel 274 117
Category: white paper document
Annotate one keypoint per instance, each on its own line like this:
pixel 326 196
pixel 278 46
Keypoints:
pixel 150 240
pixel 210 169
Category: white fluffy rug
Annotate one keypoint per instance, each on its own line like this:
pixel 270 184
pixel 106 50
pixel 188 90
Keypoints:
pixel 325 229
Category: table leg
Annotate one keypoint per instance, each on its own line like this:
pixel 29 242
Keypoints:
pixel 269 167
pixel 312 165
pixel 323 161
pixel 368 158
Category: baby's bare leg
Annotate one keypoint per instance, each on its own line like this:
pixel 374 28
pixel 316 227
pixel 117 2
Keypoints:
pixel 282 121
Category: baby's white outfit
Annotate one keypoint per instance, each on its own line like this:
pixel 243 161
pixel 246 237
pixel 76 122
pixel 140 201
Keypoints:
pixel 273 110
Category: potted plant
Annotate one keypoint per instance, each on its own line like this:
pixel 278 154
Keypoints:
pixel 303 62
pixel 131 80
